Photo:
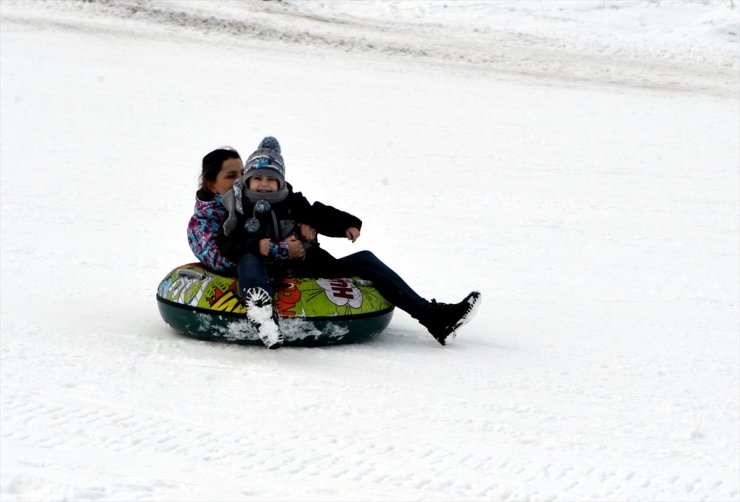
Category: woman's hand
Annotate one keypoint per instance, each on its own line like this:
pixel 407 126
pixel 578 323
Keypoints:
pixel 308 233
pixel 353 233
pixel 265 247
pixel 295 248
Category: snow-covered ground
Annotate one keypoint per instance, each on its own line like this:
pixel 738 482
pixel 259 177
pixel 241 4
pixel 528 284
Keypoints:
pixel 578 162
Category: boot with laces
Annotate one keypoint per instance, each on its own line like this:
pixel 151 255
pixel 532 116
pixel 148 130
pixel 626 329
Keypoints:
pixel 263 317
pixel 443 319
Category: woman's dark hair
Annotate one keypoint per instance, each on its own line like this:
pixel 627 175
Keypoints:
pixel 214 161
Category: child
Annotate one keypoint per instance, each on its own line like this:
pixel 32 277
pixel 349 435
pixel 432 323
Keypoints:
pixel 260 236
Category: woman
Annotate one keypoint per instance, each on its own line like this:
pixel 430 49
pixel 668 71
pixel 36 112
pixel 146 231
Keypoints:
pixel 220 169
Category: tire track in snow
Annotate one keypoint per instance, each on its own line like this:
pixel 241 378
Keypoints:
pixel 508 53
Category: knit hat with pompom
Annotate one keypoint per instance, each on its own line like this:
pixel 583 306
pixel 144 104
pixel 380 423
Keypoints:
pixel 266 160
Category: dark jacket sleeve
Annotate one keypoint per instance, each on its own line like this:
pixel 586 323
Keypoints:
pixel 328 220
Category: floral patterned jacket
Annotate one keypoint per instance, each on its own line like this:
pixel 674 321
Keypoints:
pixel 207 217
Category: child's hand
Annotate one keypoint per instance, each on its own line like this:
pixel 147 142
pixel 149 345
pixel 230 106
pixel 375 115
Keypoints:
pixel 308 233
pixel 265 247
pixel 295 248
pixel 353 233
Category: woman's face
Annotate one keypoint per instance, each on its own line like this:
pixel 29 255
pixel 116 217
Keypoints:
pixel 231 170
pixel 263 183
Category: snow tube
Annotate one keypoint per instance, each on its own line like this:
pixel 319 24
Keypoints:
pixel 203 305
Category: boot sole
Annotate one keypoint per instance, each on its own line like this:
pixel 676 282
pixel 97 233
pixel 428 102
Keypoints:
pixel 474 299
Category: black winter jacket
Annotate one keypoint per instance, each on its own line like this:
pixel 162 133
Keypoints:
pixel 280 222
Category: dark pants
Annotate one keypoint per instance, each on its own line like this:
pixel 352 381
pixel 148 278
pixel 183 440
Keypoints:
pixel 318 263
pixel 366 265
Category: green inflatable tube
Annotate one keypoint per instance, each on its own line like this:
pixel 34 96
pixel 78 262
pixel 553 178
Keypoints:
pixel 203 305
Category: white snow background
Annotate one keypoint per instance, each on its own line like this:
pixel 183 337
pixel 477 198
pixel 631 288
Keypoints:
pixel 576 161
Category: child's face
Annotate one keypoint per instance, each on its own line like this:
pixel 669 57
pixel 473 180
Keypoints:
pixel 231 170
pixel 263 183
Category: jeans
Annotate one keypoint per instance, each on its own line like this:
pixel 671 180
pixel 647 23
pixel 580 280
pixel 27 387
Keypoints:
pixel 252 273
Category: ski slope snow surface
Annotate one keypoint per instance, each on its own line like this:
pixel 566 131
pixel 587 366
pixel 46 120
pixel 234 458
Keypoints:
pixel 577 162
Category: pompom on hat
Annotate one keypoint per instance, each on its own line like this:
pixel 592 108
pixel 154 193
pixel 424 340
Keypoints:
pixel 270 143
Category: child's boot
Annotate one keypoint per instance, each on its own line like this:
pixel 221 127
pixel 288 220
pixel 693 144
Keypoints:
pixel 263 317
pixel 442 319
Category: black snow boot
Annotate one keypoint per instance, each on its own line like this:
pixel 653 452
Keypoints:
pixel 442 319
